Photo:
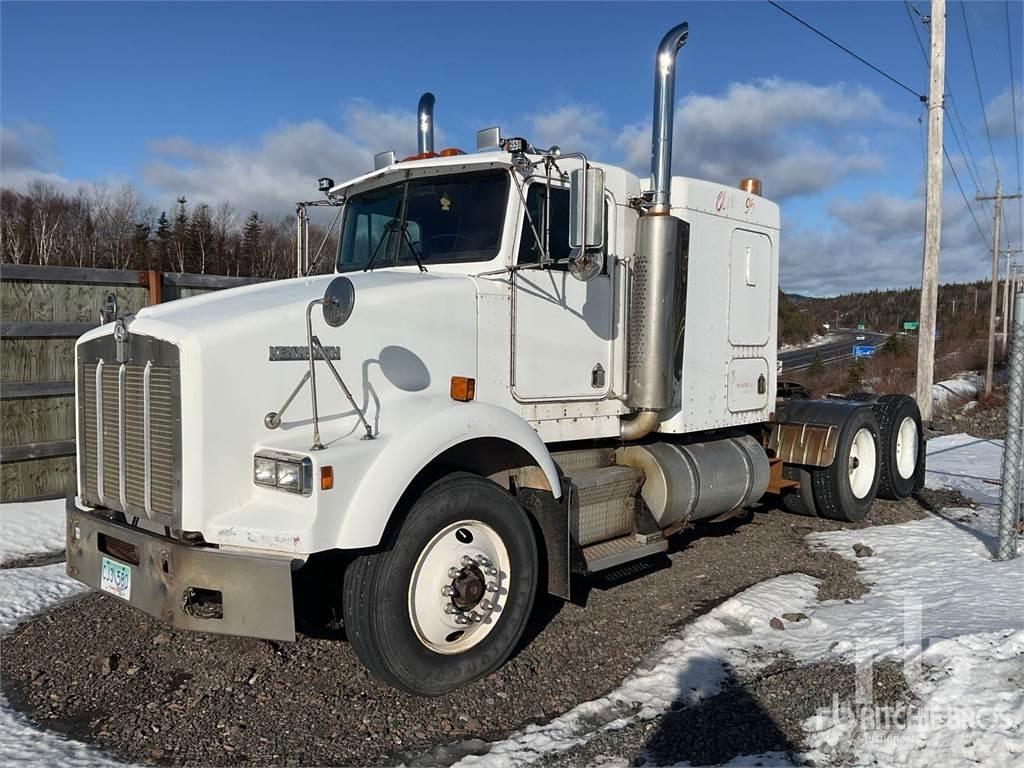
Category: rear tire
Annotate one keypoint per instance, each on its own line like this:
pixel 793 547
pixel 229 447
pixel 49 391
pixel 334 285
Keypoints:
pixel 801 501
pixel 845 489
pixel 425 613
pixel 902 441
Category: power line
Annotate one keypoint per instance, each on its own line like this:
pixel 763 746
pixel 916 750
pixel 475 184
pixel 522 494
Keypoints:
pixel 966 201
pixel 842 47
pixel 924 55
pixel 969 155
pixel 977 82
pixel 1016 136
pixel 1013 90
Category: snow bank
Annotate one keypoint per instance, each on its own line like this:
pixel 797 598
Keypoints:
pixel 31 528
pixel 937 601
pixel 815 341
pixel 956 391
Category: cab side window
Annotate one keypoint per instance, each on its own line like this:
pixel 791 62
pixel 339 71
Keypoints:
pixel 529 249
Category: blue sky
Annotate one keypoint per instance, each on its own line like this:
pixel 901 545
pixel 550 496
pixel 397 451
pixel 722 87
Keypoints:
pixel 250 102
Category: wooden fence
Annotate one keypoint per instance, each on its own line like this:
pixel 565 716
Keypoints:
pixel 42 311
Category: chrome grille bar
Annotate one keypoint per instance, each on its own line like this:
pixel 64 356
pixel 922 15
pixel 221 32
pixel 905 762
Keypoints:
pixel 99 429
pixel 147 437
pixel 122 473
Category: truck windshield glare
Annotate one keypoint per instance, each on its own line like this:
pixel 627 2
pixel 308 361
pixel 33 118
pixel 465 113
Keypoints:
pixel 437 220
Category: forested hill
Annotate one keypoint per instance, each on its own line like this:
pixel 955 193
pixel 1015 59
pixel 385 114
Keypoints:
pixel 963 311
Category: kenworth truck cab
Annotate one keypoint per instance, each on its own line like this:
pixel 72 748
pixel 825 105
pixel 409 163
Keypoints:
pixel 528 367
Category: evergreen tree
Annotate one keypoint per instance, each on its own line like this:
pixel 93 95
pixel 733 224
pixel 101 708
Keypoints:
pixel 855 374
pixel 163 241
pixel 252 239
pixel 817 367
pixel 140 245
pixel 894 345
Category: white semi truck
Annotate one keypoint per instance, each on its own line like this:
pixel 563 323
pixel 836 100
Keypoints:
pixel 528 367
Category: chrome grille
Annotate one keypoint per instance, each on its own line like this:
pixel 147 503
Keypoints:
pixel 129 425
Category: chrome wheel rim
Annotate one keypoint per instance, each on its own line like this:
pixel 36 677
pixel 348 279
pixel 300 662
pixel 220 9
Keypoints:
pixel 906 448
pixel 863 457
pixel 459 586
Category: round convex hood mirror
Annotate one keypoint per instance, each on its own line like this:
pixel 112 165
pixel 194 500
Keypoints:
pixel 339 300
pixel 585 265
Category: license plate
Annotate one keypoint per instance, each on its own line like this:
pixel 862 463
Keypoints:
pixel 116 578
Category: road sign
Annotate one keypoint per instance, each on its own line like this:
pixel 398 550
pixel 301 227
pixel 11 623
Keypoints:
pixel 863 350
pixel 860 326
pixel 910 325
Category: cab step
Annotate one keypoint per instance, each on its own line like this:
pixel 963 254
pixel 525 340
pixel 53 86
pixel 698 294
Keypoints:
pixel 616 552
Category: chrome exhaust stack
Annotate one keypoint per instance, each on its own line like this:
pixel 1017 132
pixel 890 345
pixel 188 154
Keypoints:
pixel 425 124
pixel 657 288
pixel 664 112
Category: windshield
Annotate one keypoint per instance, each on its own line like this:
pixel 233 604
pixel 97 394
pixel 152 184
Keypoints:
pixel 435 220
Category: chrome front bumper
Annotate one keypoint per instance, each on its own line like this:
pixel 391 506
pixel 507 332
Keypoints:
pixel 187 586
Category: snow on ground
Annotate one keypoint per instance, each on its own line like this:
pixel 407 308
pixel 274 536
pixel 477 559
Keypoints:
pixel 31 528
pixel 937 601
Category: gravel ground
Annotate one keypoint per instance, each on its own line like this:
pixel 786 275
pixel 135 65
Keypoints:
pixel 99 671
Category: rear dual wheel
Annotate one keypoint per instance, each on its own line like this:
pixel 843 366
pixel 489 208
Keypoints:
pixel 445 601
pixel 902 467
pixel 845 489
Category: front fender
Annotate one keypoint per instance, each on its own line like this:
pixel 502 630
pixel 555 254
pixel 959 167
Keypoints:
pixel 365 498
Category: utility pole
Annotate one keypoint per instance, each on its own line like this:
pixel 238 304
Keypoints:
pixel 932 215
pixel 998 198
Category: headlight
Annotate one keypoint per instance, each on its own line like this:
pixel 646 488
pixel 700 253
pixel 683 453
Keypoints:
pixel 265 471
pixel 289 476
pixel 283 471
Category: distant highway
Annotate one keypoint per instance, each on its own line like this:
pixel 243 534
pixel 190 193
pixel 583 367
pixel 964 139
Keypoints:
pixel 839 346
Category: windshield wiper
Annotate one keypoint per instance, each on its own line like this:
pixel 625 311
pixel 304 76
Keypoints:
pixel 398 225
pixel 389 229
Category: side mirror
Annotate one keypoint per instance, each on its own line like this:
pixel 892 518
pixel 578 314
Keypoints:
pixel 339 301
pixel 586 208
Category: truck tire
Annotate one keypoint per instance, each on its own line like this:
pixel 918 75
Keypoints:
pixel 903 455
pixel 845 489
pixel 801 501
pixel 446 598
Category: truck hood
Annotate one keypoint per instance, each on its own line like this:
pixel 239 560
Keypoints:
pixel 408 334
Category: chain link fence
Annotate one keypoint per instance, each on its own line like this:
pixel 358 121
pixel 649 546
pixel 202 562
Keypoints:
pixel 1011 502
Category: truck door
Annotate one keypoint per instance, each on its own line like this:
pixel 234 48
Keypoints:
pixel 561 327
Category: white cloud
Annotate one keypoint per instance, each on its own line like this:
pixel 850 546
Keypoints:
pixel 283 166
pixel 877 241
pixel 573 127
pixel 797 137
pixel 1000 113
pixel 28 153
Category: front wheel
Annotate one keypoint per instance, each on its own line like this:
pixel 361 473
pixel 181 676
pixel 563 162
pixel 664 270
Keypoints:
pixel 448 597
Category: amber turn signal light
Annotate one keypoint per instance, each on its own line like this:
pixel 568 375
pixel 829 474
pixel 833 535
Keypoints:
pixel 463 389
pixel 326 478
